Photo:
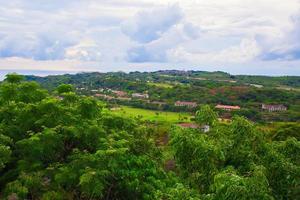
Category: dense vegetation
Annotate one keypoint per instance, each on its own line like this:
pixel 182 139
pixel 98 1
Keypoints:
pixel 248 92
pixel 65 146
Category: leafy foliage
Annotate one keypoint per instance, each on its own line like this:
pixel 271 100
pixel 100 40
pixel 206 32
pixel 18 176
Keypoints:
pixel 73 147
pixel 205 115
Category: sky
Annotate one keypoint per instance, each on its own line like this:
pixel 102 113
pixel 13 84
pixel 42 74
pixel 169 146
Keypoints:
pixel 236 36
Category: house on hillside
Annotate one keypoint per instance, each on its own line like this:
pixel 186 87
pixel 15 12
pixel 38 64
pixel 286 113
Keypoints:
pixel 140 96
pixel 188 125
pixel 124 98
pixel 256 85
pixel 119 93
pixel 104 96
pixel 273 108
pixel 185 104
pixel 99 95
pixel 227 107
pixel 160 103
pixel 204 128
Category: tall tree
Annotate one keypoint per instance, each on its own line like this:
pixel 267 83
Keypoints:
pixel 13 78
pixel 206 116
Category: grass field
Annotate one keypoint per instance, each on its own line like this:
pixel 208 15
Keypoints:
pixel 161 85
pixel 155 116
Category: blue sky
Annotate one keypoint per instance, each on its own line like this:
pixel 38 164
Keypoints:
pixel 237 36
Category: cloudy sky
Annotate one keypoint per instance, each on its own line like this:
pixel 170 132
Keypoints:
pixel 237 36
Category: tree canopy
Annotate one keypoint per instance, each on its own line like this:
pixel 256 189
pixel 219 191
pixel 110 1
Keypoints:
pixel 74 147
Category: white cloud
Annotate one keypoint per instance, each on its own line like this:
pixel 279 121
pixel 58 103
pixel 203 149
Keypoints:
pixel 247 50
pixel 150 25
pixel 285 46
pixel 156 50
pixel 86 50
pixel 146 31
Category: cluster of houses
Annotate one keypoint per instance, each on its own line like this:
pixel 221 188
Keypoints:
pixel 121 95
pixel 194 104
pixel 267 107
pixel 206 128
pixel 110 94
pixel 273 108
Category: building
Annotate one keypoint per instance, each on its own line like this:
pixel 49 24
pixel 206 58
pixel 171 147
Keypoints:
pixel 204 128
pixel 188 125
pixel 273 108
pixel 124 98
pixel 160 103
pixel 104 96
pixel 186 104
pixel 256 85
pixel 140 96
pixel 99 95
pixel 227 107
pixel 119 93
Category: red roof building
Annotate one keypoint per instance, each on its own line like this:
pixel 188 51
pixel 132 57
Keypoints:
pixel 186 103
pixel 99 95
pixel 188 125
pixel 140 96
pixel 119 93
pixel 204 128
pixel 272 108
pixel 227 107
pixel 104 96
pixel 160 103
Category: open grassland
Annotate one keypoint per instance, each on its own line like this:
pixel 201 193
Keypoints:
pixel 155 116
pixel 160 85
pixel 288 88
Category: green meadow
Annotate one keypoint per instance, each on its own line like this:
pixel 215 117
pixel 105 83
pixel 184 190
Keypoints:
pixel 161 85
pixel 151 115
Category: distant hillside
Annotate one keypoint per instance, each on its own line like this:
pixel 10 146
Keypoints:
pixel 169 75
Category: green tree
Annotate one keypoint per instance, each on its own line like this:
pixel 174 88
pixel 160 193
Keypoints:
pixel 229 185
pixel 29 92
pixel 5 150
pixel 206 116
pixel 245 142
pixel 13 78
pixel 88 107
pixel 16 190
pixel 52 195
pixel 8 92
pixel 198 157
pixel 281 160
pixel 5 154
pixel 65 88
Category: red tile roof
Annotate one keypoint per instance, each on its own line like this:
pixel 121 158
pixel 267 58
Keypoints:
pixel 273 107
pixel 185 103
pixel 227 107
pixel 119 93
pixel 188 125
